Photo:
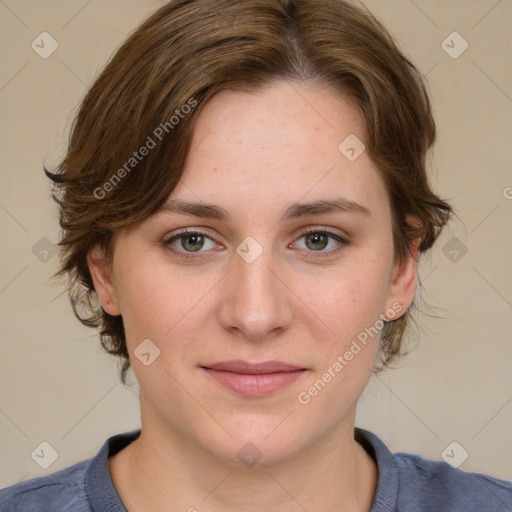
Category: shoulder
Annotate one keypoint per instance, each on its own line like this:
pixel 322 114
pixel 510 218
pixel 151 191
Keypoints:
pixel 425 484
pixel 82 487
pixel 411 482
pixel 61 490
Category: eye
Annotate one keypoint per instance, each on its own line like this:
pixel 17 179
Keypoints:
pixel 188 241
pixel 317 239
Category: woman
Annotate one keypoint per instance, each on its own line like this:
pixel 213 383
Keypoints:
pixel 244 203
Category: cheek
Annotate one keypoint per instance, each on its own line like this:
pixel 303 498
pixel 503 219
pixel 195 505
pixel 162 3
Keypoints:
pixel 141 300
pixel 159 304
pixel 350 307
pixel 347 298
pixel 168 310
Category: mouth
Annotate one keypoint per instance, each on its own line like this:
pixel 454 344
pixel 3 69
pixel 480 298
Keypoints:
pixel 254 379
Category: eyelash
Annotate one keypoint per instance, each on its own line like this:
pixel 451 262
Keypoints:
pixel 323 231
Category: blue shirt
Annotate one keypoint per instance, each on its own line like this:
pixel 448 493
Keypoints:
pixel 407 483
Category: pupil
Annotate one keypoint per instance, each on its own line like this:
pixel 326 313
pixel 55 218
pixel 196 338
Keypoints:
pixel 196 240
pixel 316 237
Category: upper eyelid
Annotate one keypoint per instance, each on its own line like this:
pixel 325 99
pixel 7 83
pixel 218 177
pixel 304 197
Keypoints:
pixel 305 231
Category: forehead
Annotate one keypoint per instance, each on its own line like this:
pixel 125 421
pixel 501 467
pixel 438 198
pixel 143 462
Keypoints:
pixel 277 145
pixel 280 113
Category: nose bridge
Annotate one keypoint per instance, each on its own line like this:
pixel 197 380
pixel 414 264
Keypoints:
pixel 259 302
pixel 255 279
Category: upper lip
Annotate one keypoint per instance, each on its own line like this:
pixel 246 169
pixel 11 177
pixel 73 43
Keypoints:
pixel 239 366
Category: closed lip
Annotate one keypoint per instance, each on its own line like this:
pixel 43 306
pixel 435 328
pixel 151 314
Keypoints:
pixel 245 367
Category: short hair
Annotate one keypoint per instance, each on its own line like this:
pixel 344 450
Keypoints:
pixel 155 85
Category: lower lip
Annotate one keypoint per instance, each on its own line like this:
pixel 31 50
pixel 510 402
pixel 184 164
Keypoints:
pixel 255 385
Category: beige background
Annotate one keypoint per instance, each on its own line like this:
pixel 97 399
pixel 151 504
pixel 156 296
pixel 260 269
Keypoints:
pixel 58 386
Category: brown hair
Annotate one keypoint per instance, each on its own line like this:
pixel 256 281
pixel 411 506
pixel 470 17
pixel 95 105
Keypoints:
pixel 184 54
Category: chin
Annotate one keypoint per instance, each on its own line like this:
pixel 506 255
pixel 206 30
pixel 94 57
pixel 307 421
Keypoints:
pixel 257 445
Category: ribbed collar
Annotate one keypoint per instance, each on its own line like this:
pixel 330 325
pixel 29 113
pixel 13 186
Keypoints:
pixel 103 496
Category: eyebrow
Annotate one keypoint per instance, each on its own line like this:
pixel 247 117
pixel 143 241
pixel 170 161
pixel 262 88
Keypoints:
pixel 295 210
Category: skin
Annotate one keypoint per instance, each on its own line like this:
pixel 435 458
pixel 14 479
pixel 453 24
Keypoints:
pixel 253 155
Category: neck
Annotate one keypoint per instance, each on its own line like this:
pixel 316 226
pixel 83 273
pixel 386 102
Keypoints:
pixel 170 471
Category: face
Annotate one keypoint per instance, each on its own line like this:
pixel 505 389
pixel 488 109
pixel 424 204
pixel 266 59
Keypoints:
pixel 260 278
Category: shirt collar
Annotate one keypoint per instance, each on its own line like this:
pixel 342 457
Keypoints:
pixel 103 495
pixel 99 487
pixel 386 495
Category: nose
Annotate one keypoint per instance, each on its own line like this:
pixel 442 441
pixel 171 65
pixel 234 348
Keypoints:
pixel 255 303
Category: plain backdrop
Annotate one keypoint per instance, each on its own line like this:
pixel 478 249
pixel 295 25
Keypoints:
pixel 58 386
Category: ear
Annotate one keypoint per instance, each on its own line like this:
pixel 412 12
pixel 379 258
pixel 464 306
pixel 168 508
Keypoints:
pixel 404 281
pixel 102 279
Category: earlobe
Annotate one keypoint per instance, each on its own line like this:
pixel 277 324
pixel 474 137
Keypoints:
pixel 102 279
